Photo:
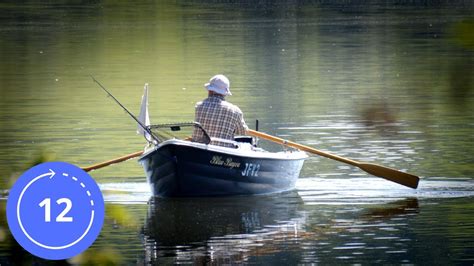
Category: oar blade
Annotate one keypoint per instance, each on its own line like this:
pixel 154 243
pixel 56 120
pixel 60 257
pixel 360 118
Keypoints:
pixel 393 175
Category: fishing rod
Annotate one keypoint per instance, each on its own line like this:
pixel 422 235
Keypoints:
pixel 147 129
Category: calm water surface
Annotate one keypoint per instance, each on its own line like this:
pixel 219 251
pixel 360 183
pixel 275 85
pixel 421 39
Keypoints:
pixel 390 84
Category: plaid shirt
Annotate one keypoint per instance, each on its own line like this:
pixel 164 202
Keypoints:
pixel 220 119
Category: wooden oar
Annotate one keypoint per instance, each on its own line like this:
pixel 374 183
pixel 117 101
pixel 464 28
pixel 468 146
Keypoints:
pixel 113 161
pixel 396 176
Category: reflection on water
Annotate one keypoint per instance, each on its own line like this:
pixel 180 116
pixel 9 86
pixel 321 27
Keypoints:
pixel 285 227
pixel 221 230
pixel 326 220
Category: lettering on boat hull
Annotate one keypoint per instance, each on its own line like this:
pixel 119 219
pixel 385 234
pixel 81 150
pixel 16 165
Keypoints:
pixel 251 169
pixel 227 162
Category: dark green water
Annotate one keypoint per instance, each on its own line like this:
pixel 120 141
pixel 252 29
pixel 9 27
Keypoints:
pixel 387 83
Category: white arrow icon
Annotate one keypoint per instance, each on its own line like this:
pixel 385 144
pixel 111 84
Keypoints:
pixel 51 172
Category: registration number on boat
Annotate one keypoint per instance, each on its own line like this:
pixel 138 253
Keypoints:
pixel 251 169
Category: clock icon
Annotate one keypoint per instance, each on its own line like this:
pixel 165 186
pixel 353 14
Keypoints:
pixel 55 210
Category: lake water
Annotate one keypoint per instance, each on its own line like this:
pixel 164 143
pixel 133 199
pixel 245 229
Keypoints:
pixel 387 83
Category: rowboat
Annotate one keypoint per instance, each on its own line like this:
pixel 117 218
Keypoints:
pixel 180 168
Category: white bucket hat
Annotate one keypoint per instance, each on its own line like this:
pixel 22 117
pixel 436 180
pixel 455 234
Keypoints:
pixel 219 84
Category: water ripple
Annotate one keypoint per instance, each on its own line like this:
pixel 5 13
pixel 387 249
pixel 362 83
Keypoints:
pixel 328 190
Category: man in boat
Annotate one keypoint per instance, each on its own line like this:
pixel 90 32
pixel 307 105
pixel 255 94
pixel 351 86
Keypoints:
pixel 221 119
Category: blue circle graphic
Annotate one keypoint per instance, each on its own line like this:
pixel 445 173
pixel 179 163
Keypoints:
pixel 55 210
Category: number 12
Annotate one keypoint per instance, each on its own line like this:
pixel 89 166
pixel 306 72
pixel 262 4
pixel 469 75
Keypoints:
pixel 46 203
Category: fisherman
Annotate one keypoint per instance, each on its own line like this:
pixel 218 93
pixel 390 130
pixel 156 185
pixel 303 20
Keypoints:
pixel 221 119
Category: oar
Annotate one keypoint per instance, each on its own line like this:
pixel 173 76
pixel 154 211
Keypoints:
pixel 113 161
pixel 396 176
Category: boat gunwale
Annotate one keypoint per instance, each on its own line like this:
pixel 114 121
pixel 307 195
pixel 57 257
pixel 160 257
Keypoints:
pixel 240 152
